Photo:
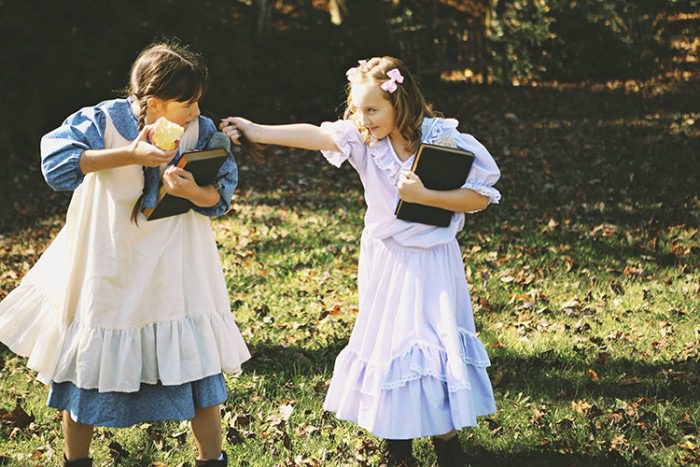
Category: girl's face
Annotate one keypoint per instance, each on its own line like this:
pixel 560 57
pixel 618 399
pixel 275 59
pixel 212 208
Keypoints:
pixel 374 111
pixel 178 112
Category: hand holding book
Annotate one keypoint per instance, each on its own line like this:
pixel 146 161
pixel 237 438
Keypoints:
pixel 411 188
pixel 179 182
pixel 435 168
pixel 195 167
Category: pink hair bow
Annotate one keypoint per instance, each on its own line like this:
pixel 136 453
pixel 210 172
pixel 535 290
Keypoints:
pixel 394 77
pixel 352 72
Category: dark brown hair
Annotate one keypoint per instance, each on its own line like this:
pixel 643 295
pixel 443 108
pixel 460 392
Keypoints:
pixel 167 70
pixel 409 104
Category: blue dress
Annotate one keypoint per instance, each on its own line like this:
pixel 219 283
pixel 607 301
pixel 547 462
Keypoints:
pixel 128 322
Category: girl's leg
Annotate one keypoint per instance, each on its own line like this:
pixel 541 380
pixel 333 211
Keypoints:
pixel 448 450
pixel 447 436
pixel 398 453
pixel 206 428
pixel 76 438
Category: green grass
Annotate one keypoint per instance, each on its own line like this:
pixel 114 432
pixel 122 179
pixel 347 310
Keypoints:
pixel 584 281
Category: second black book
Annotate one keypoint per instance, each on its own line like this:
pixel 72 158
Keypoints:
pixel 204 165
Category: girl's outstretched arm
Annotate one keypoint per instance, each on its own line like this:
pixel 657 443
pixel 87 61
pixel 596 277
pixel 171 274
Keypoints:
pixel 295 135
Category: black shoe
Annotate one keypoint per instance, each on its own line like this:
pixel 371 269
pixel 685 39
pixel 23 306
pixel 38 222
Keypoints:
pixel 449 452
pixel 213 463
pixel 84 462
pixel 398 453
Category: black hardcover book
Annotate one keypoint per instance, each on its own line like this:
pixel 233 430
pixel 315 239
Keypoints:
pixel 204 165
pixel 439 168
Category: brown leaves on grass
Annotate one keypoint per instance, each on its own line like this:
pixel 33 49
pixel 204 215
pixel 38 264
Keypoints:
pixel 301 461
pixel 690 449
pixel 522 277
pixel 580 406
pixel 332 312
pixel 686 424
pixel 527 301
pixel 626 422
pixel 236 427
pixel 621 426
pixel 619 443
pixel 41 454
pixel 16 418
pixel 273 430
pixel 604 230
pixel 280 418
pixel 538 414
pixel 117 452
pixel 629 380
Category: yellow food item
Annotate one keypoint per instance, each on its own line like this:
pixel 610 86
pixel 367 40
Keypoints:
pixel 166 134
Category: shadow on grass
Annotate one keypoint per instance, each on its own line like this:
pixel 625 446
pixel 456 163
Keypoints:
pixel 556 377
pixel 479 457
pixel 546 376
pixel 283 362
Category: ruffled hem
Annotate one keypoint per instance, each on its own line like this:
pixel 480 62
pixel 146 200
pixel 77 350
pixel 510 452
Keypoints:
pixel 422 407
pixel 118 360
pixel 418 361
pixel 418 393
pixel 152 402
pixel 30 327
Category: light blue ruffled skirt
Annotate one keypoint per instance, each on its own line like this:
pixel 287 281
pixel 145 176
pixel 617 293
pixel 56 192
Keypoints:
pixel 414 365
pixel 152 402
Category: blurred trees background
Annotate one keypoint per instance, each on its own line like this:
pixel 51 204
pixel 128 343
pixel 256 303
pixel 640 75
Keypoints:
pixel 281 60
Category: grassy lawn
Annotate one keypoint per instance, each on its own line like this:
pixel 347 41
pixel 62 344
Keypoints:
pixel 584 281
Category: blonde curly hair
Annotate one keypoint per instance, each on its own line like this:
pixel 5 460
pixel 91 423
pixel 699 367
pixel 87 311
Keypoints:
pixel 408 102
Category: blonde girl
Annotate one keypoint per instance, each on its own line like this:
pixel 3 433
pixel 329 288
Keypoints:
pixel 414 365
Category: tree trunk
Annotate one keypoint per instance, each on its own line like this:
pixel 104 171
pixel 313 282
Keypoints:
pixel 263 23
pixel 338 9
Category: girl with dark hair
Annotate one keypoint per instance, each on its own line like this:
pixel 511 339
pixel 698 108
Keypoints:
pixel 130 322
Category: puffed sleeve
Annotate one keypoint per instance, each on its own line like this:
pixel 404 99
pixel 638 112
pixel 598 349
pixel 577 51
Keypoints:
pixel 484 172
pixel 61 148
pixel 348 139
pixel 227 178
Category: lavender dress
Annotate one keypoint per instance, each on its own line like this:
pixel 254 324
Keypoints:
pixel 414 365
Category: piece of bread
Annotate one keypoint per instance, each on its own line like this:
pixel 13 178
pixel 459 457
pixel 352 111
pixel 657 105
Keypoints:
pixel 166 134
